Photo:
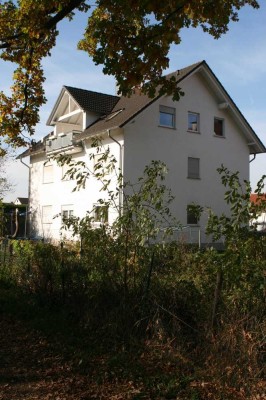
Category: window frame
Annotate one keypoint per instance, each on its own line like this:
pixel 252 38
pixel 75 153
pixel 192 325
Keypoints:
pixel 48 177
pixel 190 168
pixel 47 218
pixel 166 110
pixel 69 209
pixel 190 129
pixel 221 121
pixel 98 220
pixel 103 166
pixel 192 219
pixel 65 176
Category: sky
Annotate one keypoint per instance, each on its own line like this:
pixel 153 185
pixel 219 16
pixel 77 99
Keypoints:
pixel 238 59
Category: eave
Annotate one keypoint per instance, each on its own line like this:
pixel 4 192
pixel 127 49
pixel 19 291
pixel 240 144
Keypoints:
pixel 225 102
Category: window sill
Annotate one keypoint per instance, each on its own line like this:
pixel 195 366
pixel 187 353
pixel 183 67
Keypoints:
pixel 192 177
pixel 219 136
pixel 193 225
pixel 191 131
pixel 167 127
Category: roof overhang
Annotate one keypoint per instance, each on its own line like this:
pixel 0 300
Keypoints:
pixel 225 102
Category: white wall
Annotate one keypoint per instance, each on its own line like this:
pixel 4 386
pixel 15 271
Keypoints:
pixel 145 140
pixel 58 193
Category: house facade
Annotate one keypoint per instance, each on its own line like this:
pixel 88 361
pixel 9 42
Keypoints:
pixel 193 137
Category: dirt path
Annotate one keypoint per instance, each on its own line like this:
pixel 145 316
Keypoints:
pixel 31 369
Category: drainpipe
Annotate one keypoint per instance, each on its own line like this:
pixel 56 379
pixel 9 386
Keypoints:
pixel 254 156
pixel 27 208
pixel 120 195
pixel 16 224
pixel 22 162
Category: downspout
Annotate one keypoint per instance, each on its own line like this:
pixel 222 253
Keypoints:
pixel 27 208
pixel 254 156
pixel 22 162
pixel 120 194
pixel 16 224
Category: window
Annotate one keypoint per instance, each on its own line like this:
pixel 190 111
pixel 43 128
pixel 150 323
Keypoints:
pixel 219 127
pixel 167 116
pixel 101 214
pixel 103 163
pixel 48 172
pixel 192 217
pixel 193 122
pixel 65 168
pixel 47 214
pixel 67 212
pixel 193 168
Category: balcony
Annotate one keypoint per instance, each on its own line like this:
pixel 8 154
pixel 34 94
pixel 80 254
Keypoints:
pixel 63 143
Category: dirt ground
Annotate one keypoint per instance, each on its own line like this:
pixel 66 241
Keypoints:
pixel 31 368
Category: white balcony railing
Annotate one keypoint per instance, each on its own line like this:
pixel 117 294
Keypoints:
pixel 62 142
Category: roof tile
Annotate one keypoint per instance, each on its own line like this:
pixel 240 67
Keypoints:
pixel 93 101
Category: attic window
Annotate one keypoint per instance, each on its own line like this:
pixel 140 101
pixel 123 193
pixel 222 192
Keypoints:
pixel 193 122
pixel 218 127
pixel 167 116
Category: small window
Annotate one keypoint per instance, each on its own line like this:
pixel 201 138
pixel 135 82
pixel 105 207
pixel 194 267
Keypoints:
pixel 47 214
pixel 193 168
pixel 219 127
pixel 65 176
pixel 103 163
pixel 67 212
pixel 101 214
pixel 192 219
pixel 167 117
pixel 48 173
pixel 193 122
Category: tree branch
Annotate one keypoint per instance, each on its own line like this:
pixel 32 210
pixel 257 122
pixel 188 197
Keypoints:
pixel 51 23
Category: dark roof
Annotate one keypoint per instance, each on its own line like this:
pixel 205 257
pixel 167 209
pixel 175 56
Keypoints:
pixel 23 200
pixel 128 107
pixel 93 101
pixel 117 111
pixel 34 147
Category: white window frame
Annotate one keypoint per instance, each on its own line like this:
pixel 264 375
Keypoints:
pixel 65 168
pixel 48 172
pixel 67 209
pixel 104 164
pixel 95 216
pixel 194 126
pixel 193 171
pixel 47 214
pixel 221 120
pixel 169 111
pixel 192 219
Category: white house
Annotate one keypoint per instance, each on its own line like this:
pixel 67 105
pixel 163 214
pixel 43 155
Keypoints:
pixel 193 136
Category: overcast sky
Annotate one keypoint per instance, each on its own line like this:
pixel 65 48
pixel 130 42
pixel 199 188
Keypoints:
pixel 238 59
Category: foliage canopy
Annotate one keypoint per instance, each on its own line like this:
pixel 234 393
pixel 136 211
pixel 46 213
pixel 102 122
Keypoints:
pixel 130 38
